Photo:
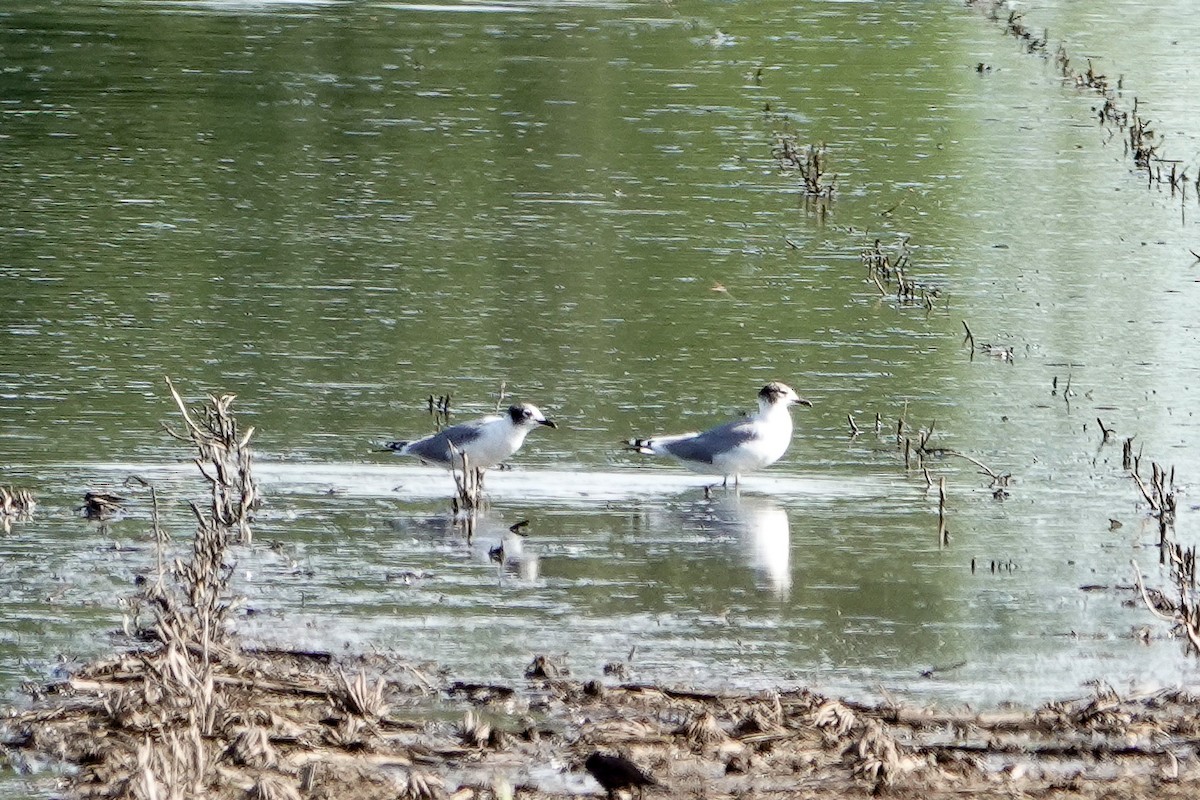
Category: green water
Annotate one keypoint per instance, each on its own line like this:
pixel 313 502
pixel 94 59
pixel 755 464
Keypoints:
pixel 334 211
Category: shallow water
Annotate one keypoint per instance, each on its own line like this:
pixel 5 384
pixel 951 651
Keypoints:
pixel 334 211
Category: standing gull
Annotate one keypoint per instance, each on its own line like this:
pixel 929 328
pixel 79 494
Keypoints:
pixel 485 442
pixel 735 448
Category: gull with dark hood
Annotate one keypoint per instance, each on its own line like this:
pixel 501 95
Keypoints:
pixel 485 442
pixel 735 448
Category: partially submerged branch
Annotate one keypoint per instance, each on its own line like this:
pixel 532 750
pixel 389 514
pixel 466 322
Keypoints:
pixel 1179 560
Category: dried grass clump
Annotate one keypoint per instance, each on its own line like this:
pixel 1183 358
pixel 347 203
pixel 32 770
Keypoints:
pixel 361 699
pixel 878 759
pixel 833 719
pixel 252 747
pixel 271 788
pixel 702 731
pixel 16 505
pixel 14 502
pixel 145 724
pixel 419 785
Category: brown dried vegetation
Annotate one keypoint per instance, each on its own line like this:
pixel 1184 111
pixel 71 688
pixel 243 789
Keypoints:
pixel 16 505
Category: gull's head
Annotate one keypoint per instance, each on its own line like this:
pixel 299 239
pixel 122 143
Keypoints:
pixel 776 393
pixel 529 416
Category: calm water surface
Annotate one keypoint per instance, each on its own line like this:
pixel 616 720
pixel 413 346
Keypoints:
pixel 334 211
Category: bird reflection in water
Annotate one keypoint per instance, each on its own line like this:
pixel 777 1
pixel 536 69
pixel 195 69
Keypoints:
pixel 510 555
pixel 494 543
pixel 761 526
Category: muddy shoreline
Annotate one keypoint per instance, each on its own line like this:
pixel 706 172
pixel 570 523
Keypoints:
pixel 281 724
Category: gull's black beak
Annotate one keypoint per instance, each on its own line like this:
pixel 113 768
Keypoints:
pixel 800 401
pixel 549 423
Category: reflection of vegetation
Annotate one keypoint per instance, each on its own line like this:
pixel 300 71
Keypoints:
pixel 468 494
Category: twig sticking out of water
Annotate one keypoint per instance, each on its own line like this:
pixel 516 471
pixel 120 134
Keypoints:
pixel 943 534
pixel 1160 495
pixel 161 538
pixel 439 409
pixel 1180 560
pixel 999 480
pixel 887 212
pixel 468 496
pixel 810 163
pixel 1157 495
pixel 1066 394
pixel 885 268
pixel 1017 28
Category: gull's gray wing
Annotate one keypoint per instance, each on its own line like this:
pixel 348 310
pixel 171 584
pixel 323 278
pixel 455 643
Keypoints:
pixel 703 447
pixel 438 446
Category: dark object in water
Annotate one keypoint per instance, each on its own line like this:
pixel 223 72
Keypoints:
pixel 100 505
pixel 615 773
pixel 545 668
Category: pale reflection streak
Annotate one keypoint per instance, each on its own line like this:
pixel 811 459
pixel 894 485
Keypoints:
pixel 762 528
pixel 507 550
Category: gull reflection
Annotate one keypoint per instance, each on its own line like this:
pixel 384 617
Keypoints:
pixel 762 527
pixel 512 557
pixel 488 541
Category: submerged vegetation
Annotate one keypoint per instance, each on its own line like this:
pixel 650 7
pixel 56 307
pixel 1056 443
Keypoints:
pixel 891 269
pixel 810 163
pixel 1142 144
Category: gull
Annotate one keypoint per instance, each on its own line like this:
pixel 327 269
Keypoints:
pixel 735 448
pixel 485 442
